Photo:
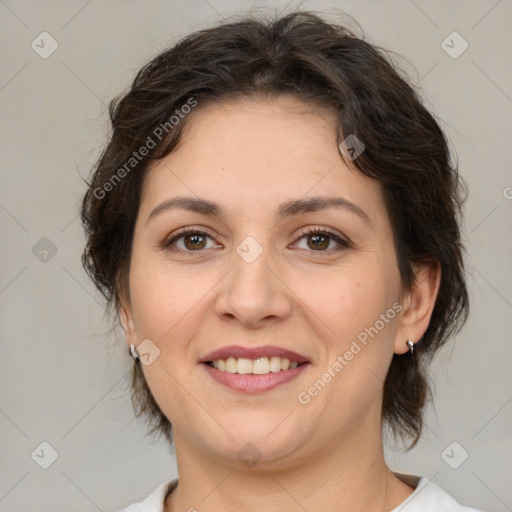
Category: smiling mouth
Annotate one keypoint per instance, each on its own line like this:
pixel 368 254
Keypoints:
pixel 259 366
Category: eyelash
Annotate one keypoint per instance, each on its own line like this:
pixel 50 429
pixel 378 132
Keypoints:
pixel 309 231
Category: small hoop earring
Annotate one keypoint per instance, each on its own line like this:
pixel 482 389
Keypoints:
pixel 410 344
pixel 134 352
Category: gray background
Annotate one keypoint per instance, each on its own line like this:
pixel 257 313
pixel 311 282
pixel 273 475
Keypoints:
pixel 64 381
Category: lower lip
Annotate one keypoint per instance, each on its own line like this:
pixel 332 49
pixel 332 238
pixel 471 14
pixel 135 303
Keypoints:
pixel 250 383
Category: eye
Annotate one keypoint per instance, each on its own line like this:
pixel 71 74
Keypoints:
pixel 320 239
pixel 188 240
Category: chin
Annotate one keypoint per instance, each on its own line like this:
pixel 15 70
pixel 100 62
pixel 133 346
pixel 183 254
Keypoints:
pixel 266 445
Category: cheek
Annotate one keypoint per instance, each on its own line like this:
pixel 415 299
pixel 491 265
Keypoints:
pixel 349 301
pixel 166 312
pixel 162 299
pixel 356 309
pixel 359 325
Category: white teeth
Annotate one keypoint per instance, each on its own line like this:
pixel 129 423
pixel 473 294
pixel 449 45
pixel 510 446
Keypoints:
pixel 260 366
pixel 231 365
pixel 275 364
pixel 244 365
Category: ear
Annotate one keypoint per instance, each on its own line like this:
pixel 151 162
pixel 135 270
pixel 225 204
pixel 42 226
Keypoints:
pixel 125 313
pixel 418 305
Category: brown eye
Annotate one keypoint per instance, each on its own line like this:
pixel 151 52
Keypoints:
pixel 318 240
pixel 194 241
pixel 188 241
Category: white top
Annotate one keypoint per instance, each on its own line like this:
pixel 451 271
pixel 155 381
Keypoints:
pixel 427 497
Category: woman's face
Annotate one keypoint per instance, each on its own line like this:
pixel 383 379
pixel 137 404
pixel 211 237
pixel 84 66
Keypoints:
pixel 253 278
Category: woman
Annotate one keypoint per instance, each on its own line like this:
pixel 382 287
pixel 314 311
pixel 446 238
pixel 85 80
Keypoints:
pixel 276 222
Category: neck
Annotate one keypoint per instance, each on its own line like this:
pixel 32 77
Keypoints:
pixel 351 473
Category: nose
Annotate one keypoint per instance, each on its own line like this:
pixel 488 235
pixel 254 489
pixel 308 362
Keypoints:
pixel 253 293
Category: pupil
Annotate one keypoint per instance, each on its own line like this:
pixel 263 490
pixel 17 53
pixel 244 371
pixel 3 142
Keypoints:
pixel 316 238
pixel 194 239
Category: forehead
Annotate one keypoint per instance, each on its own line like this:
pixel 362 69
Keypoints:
pixel 254 153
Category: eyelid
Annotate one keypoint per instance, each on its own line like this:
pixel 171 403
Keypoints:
pixel 185 231
pixel 340 239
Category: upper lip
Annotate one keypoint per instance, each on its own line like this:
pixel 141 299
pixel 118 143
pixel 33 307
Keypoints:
pixel 253 353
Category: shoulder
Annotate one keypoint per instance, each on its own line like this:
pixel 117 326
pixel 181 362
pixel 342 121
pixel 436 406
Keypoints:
pixel 155 501
pixel 429 497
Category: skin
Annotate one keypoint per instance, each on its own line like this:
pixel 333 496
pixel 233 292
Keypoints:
pixel 249 156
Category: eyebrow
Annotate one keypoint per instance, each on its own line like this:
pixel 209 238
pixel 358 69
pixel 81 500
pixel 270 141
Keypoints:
pixel 285 210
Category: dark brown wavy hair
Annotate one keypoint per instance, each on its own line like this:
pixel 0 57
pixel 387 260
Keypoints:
pixel 325 65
